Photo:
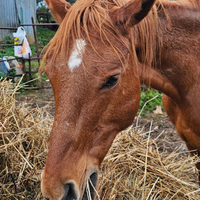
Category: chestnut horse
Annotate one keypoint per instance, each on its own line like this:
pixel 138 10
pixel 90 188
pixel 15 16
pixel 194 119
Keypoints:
pixel 101 53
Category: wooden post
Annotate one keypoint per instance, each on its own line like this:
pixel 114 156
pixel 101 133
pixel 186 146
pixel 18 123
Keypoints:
pixel 24 69
pixel 35 37
pixel 29 66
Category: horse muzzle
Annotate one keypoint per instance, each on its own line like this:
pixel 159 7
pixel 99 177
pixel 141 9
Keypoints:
pixel 71 190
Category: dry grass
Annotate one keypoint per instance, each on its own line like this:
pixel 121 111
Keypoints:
pixel 133 169
pixel 24 135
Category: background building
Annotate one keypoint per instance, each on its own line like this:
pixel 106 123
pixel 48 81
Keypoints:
pixel 14 12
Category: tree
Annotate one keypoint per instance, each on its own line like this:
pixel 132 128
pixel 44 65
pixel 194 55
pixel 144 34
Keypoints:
pixel 38 1
pixel 71 1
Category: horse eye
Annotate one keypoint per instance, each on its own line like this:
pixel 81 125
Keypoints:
pixel 111 81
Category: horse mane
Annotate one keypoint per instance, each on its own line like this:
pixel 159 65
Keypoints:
pixel 144 36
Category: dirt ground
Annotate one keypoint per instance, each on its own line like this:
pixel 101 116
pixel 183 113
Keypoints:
pixel 41 98
pixel 163 131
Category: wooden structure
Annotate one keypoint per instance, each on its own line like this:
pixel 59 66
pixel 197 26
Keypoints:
pixel 15 12
pixel 37 57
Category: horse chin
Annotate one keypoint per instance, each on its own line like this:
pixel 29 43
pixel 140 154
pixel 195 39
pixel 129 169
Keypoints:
pixel 89 192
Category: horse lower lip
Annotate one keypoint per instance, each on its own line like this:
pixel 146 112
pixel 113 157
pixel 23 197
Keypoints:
pixel 91 187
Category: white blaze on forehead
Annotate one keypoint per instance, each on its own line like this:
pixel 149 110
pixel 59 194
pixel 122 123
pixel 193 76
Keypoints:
pixel 75 58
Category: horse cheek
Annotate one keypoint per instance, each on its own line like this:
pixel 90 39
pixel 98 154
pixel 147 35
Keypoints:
pixel 130 102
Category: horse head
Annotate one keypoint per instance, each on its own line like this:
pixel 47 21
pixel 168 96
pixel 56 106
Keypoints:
pixel 92 67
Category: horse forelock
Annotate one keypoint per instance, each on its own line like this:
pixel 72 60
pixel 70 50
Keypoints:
pixel 84 14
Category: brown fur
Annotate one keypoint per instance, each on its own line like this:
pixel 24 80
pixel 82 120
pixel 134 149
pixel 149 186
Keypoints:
pixel 96 14
pixel 161 50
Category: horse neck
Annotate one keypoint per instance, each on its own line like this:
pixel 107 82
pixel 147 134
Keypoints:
pixel 177 71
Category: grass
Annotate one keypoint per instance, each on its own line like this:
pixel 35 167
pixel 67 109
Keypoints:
pixel 151 98
pixel 7 51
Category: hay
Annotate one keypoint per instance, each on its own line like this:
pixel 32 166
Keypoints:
pixel 133 169
pixel 24 135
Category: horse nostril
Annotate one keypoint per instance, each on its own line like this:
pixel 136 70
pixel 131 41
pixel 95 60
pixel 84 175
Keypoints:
pixel 89 192
pixel 92 184
pixel 70 192
pixel 93 178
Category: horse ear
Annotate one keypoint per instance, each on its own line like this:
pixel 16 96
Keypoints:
pixel 58 9
pixel 131 13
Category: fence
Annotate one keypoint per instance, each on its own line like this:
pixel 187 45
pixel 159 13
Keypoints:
pixel 31 58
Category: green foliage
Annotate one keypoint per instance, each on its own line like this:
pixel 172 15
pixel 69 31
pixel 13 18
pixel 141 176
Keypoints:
pixel 7 76
pixel 4 51
pixel 44 77
pixel 71 1
pixel 151 105
pixel 8 40
pixel 44 35
pixel 42 8
pixel 2 76
pixel 12 72
pixel 46 14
